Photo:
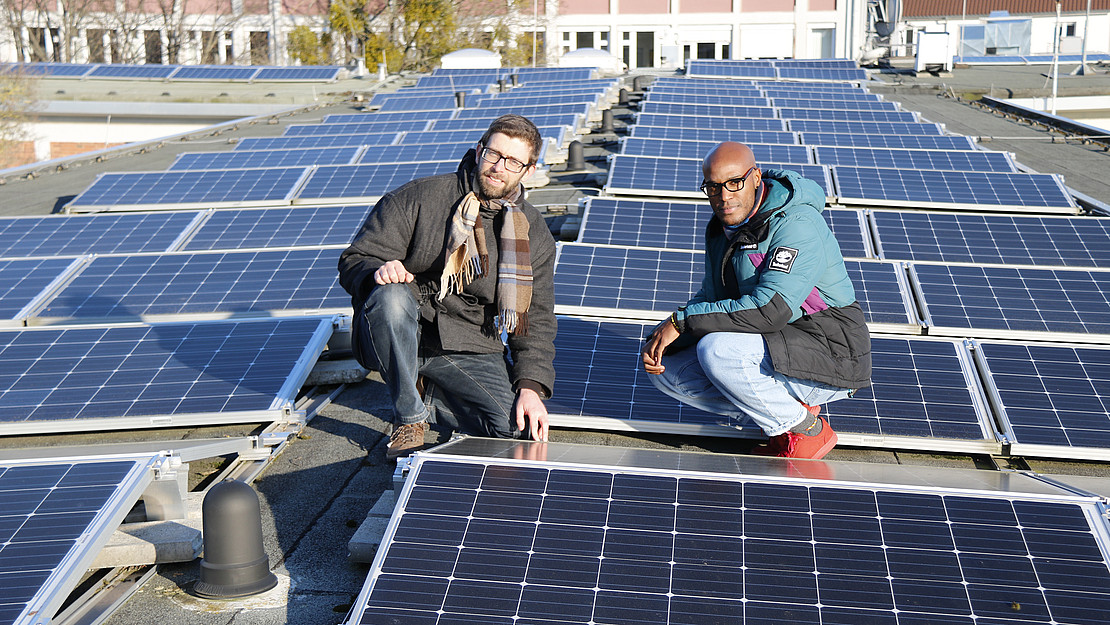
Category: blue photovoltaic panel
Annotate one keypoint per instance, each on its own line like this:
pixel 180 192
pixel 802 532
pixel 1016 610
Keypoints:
pixel 832 96
pixel 132 71
pixel 367 181
pixel 730 123
pixel 367 127
pixel 494 100
pixel 492 112
pixel 650 283
pixel 537 74
pixel 570 120
pixel 423 103
pixel 803 88
pixel 913 142
pixel 966 160
pixel 694 89
pixel 976 189
pixel 993 239
pixel 21 281
pixel 92 234
pixel 190 187
pixel 381 98
pixel 1052 395
pixel 214 72
pixel 822 73
pixel 819 63
pixel 278 227
pixel 314 141
pixel 240 159
pixel 457 82
pixel 498 541
pixel 849 115
pixel 681 225
pixel 321 72
pixel 666 174
pixel 738 69
pixel 52 70
pixel 56 513
pixel 992 301
pixel 418 137
pixel 857 104
pixel 705 110
pixel 89 377
pixel 389 116
pixel 712 134
pixel 260 282
pixel 780 153
pixel 707 98
pixel 863 128
pixel 417 153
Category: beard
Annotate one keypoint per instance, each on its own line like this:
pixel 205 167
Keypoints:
pixel 492 191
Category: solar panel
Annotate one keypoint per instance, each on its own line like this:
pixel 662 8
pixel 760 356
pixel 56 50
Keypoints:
pixel 358 128
pixel 149 72
pixel 58 514
pixel 571 120
pixel 23 282
pixel 656 175
pixel 204 187
pixel 307 73
pixel 485 540
pixel 857 104
pixel 681 225
pixel 822 73
pixel 422 103
pixel 380 98
pixel 993 239
pixel 492 112
pixel 1052 398
pixel 781 153
pixel 203 283
pixel 53 70
pixel 850 115
pixel 457 82
pixel 832 95
pixel 712 134
pixel 913 142
pixel 977 190
pixel 707 98
pixel 88 378
pixel 277 227
pixel 525 99
pixel 241 159
pixel 729 123
pixel 966 160
pixel 214 72
pixel 705 110
pixel 1012 302
pixel 94 234
pixel 695 89
pixel 738 69
pixel 819 63
pixel 314 141
pixel 388 116
pixel 647 284
pixel 862 128
pixel 802 88
pixel 417 137
pixel 444 151
pixel 368 182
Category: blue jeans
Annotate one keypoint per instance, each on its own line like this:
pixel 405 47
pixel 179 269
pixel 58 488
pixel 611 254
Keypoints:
pixel 730 373
pixel 469 392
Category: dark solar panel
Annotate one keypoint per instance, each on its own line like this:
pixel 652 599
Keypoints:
pixel 668 175
pixel 190 187
pixel 278 227
pixel 22 281
pixel 253 144
pixel 92 234
pixel 56 515
pixel 132 71
pixel 822 73
pixel 712 134
pixel 53 70
pixel 571 120
pixel 706 110
pixel 980 190
pixel 779 153
pixel 535 99
pixel 1053 397
pixel 492 112
pixel 241 159
pixel 357 128
pixel 422 103
pixel 268 281
pixel 313 73
pixel 832 95
pixel 441 151
pixel 416 137
pixel 845 127
pixel 369 181
pixel 835 114
pixel 915 142
pixel 1007 301
pixel 732 123
pixel 389 116
pixel 967 160
pixel 737 69
pixel 993 239
pixel 707 98
pixel 214 72
pixel 112 377
pixel 694 89
pixel 855 103
pixel 503 541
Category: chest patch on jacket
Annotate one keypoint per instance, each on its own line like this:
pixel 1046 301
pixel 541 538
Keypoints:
pixel 782 259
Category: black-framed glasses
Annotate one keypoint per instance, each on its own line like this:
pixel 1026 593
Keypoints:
pixel 732 184
pixel 493 156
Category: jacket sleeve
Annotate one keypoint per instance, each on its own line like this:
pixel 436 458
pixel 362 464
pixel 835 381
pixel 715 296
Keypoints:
pixel 533 353
pixel 782 287
pixel 384 236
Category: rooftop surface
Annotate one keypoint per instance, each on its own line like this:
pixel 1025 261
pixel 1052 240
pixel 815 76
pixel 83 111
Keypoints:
pixel 317 493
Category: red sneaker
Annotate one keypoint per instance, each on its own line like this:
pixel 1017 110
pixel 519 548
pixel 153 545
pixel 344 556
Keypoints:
pixel 792 445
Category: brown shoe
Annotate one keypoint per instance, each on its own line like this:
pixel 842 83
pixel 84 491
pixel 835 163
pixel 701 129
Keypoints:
pixel 405 439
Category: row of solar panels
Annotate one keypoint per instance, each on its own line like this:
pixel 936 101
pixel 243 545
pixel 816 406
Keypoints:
pixel 1034 59
pixel 233 73
pixel 463 79
pixel 840 70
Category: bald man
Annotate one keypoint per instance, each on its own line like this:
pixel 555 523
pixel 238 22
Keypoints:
pixel 775 330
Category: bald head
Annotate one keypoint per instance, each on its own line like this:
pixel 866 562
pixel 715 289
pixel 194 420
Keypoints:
pixel 730 152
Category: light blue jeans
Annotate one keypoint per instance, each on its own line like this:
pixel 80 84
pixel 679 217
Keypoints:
pixel 730 373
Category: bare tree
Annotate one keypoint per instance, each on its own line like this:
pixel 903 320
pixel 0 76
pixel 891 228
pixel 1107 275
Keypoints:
pixel 17 106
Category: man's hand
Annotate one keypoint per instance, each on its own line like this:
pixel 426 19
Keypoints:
pixel 392 272
pixel 528 404
pixel 663 335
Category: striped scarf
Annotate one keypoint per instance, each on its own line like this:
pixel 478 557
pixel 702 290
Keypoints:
pixel 467 258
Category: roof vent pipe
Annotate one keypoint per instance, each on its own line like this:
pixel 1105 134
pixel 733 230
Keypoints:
pixel 235 563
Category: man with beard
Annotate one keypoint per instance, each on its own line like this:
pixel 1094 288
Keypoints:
pixel 775 330
pixel 445 273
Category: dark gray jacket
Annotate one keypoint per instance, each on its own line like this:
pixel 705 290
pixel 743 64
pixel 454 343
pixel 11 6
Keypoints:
pixel 411 224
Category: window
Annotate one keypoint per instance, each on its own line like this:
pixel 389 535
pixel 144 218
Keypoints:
pixel 153 46
pixel 585 40
pixel 707 50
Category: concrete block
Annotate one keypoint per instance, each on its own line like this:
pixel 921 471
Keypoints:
pixel 156 542
pixel 364 544
pixel 337 372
